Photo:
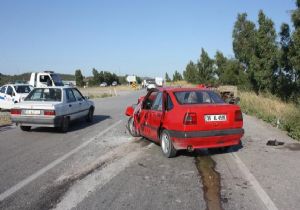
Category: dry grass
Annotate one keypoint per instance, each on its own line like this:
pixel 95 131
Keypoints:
pixel 181 83
pixel 271 109
pixel 4 118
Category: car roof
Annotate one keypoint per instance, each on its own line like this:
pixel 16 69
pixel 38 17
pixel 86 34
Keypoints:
pixel 177 89
pixel 17 84
pixel 56 87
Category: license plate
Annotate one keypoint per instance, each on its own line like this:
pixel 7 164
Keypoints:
pixel 32 112
pixel 217 117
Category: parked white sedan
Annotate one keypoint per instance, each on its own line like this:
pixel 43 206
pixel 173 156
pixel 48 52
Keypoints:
pixel 52 107
pixel 13 93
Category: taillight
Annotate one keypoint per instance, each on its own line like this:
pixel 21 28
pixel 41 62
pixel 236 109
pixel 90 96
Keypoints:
pixel 238 116
pixel 190 118
pixel 15 111
pixel 49 112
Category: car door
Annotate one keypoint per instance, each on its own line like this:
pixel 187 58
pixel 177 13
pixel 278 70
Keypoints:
pixel 9 100
pixel 2 96
pixel 83 105
pixel 155 116
pixel 72 105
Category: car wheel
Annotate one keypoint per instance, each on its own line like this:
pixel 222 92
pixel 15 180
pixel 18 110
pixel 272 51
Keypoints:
pixel 25 128
pixel 131 127
pixel 90 116
pixel 65 125
pixel 166 145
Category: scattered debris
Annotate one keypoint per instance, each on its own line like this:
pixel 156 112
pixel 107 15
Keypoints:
pixel 274 143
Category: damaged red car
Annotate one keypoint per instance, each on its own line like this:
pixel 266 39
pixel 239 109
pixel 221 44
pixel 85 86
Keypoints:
pixel 185 118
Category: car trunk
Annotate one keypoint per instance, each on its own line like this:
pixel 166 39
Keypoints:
pixel 210 117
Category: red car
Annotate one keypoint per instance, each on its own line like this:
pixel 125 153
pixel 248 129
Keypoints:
pixel 185 118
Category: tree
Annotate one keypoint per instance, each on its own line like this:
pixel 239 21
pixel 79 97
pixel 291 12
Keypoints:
pixel 220 63
pixel 191 73
pixel 205 68
pixel 167 78
pixel 244 39
pixel 79 78
pixel 95 80
pixel 263 64
pixel 177 76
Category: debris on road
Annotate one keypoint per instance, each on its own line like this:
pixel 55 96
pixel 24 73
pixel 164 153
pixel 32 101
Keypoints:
pixel 274 143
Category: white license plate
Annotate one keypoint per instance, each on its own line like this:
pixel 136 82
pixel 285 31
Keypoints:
pixel 32 112
pixel 217 117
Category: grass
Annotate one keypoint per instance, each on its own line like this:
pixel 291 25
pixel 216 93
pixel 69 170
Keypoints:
pixel 285 116
pixel 4 118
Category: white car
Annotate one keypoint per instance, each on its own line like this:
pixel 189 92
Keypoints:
pixel 13 93
pixel 52 107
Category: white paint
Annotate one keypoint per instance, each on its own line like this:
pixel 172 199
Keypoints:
pixel 255 184
pixel 96 180
pixel 42 171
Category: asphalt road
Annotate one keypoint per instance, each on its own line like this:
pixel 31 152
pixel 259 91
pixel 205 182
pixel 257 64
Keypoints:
pixel 99 166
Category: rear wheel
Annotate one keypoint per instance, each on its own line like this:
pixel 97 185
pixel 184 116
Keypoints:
pixel 65 125
pixel 25 128
pixel 131 127
pixel 90 116
pixel 166 145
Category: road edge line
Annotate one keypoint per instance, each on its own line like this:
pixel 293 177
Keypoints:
pixel 51 165
pixel 269 204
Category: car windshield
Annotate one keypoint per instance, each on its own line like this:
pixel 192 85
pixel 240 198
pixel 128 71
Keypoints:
pixel 56 79
pixel 23 88
pixel 198 97
pixel 44 94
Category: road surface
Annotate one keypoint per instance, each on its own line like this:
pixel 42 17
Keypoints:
pixel 100 166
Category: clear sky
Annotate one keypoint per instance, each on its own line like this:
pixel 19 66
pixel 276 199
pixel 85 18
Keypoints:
pixel 143 37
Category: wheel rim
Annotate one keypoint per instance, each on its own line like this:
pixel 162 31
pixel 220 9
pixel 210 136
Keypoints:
pixel 165 143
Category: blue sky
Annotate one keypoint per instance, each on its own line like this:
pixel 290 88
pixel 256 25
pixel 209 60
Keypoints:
pixel 146 38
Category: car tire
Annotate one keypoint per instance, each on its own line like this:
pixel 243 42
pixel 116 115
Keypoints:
pixel 65 125
pixel 131 128
pixel 166 145
pixel 90 116
pixel 25 128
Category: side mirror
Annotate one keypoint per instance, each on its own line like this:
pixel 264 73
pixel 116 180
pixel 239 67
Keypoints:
pixel 86 97
pixel 13 94
pixel 129 111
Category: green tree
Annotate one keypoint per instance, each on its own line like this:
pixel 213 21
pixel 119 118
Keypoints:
pixel 79 78
pixel 205 68
pixel 263 64
pixel 220 64
pixel 177 76
pixel 167 78
pixel 95 80
pixel 244 39
pixel 191 73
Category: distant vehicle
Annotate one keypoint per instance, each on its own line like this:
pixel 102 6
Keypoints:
pixel 13 93
pixel 159 81
pixel 185 119
pixel 150 85
pixel 131 78
pixel 45 79
pixel 103 84
pixel 114 83
pixel 52 107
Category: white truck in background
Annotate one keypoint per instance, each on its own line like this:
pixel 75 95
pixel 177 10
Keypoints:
pixel 159 81
pixel 45 79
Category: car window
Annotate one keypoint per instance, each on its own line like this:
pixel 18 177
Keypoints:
pixel 44 94
pixel 149 101
pixel 9 91
pixel 197 97
pixel 2 90
pixel 157 105
pixel 169 104
pixel 23 88
pixel 77 95
pixel 70 96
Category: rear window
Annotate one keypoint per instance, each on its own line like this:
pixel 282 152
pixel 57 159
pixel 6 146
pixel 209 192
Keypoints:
pixel 197 97
pixel 23 88
pixel 44 94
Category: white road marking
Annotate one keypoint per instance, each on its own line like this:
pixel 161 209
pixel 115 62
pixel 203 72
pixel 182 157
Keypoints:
pixel 255 184
pixel 96 180
pixel 42 171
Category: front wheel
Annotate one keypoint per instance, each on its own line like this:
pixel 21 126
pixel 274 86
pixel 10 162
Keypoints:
pixel 131 127
pixel 25 128
pixel 89 117
pixel 166 145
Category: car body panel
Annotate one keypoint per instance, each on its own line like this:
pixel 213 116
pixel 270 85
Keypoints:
pixel 203 134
